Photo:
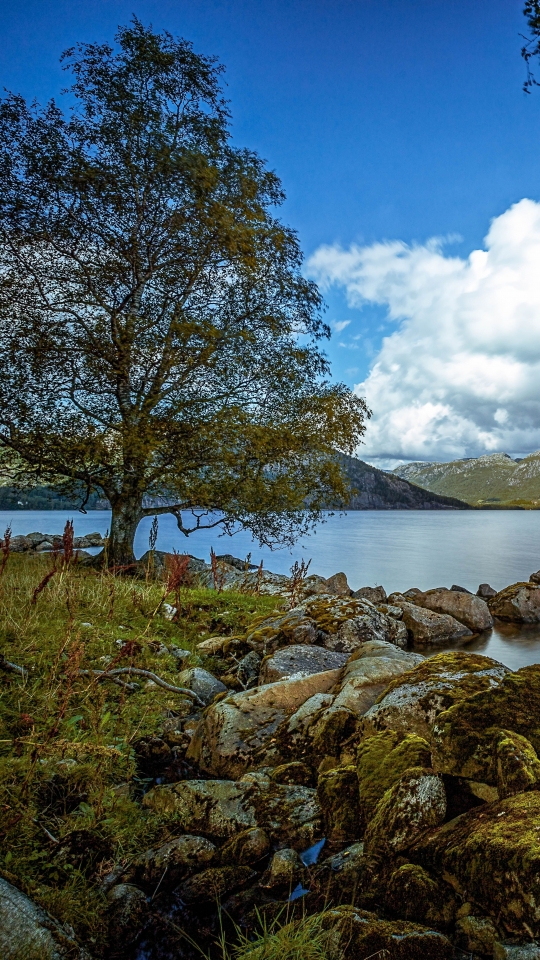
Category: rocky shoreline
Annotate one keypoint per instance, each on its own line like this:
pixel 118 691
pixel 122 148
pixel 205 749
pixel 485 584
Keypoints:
pixel 333 769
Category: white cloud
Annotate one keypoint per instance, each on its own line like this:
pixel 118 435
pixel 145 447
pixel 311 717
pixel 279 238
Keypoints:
pixel 340 325
pixel 461 374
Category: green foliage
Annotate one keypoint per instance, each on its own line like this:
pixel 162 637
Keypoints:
pixel 157 336
pixel 69 785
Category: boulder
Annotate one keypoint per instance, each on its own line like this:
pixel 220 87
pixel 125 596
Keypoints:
pixel 337 791
pixel 476 935
pixel 221 809
pixel 365 678
pixel 492 856
pixel 516 951
pixel 28 933
pixel 424 626
pixel 363 936
pixel 293 772
pixel 299 660
pixel 412 703
pixel 413 894
pixel 535 577
pixel 463 606
pixel 127 911
pixel 416 803
pixel 20 544
pixel 179 857
pixel 232 731
pixel 485 591
pixel 382 759
pixel 518 603
pixel 210 885
pixel 467 737
pixel 247 670
pixel 249 847
pixel 203 683
pixel 337 585
pixel 375 595
pixel 286 870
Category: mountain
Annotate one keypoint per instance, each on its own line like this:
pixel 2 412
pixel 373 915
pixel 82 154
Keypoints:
pixel 377 490
pixel 493 480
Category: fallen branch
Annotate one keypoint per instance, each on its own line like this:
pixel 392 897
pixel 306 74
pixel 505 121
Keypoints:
pixel 12 667
pixel 138 672
pixel 103 675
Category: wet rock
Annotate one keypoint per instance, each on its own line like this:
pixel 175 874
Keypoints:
pixel 412 703
pixel 485 591
pixel 382 759
pixel 463 606
pixel 232 731
pixel 203 683
pixel 127 912
pixel 492 856
pixel 28 933
pixel 375 595
pixel 425 626
pixel 223 808
pixel 247 848
pixel 176 859
pixel 363 935
pixel 415 804
pixel 286 870
pixel 299 660
pixel 476 935
pixel 467 739
pixel 412 894
pixel 337 791
pixel 210 885
pixel 518 603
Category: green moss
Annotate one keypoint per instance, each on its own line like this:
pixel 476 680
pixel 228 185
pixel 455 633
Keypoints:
pixel 461 667
pixel 466 734
pixel 381 761
pixel 363 935
pixel 337 792
pixel 491 856
pixel 412 894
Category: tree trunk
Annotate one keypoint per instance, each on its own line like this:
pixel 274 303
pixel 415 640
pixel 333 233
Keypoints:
pixel 126 515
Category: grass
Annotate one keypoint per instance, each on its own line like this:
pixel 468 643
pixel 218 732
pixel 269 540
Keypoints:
pixel 69 782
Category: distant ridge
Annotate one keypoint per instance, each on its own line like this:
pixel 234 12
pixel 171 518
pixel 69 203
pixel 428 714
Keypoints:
pixel 494 480
pixel 377 490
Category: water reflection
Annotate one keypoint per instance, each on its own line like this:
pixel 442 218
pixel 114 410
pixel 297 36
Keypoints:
pixel 515 645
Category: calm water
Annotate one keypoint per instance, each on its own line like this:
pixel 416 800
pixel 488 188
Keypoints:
pixel 398 549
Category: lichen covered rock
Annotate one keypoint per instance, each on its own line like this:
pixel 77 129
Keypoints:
pixel 299 660
pixel 412 703
pixel 382 759
pixel 363 935
pixel 519 603
pixel 337 791
pixel 466 736
pixel 415 804
pixel 464 607
pixel 28 933
pixel 412 894
pixel 179 857
pixel 491 855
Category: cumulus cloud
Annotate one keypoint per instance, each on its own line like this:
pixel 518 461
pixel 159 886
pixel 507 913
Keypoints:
pixel 340 325
pixel 460 376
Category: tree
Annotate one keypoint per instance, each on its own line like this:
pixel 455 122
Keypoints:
pixel 157 337
pixel 531 48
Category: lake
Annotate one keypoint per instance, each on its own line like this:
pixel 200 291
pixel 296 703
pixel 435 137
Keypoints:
pixel 396 548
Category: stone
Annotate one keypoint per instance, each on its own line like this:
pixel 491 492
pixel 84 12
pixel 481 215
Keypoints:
pixel 247 670
pixel 212 645
pixel 390 610
pixel 467 738
pixel 232 731
pixel 518 603
pixel 459 589
pixel 249 847
pixel 375 595
pixel 518 766
pixel 179 654
pixel 485 591
pixel 337 791
pixel 462 606
pixel 179 857
pixel 127 911
pixel 363 936
pixel 28 933
pixel 492 856
pixel 210 885
pixel 424 626
pixel 299 660
pixel 286 870
pixel 20 544
pixel 221 809
pixel 204 684
pixel 381 760
pixel 416 803
pixel 293 772
pixel 365 678
pixel 412 894
pixel 476 935
pixel 412 703
pixel 535 577
pixel 337 585
pixel 516 951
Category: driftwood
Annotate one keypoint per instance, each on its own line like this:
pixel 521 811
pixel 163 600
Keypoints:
pixel 138 672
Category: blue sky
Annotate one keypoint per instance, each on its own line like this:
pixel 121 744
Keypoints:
pixel 387 120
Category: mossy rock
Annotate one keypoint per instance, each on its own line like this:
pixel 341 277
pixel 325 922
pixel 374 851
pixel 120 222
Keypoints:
pixel 412 894
pixel 337 791
pixel 416 803
pixel 466 737
pixel 363 935
pixel 518 603
pixel 381 761
pixel 491 856
pixel 518 766
pixel 411 703
pixel 211 884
